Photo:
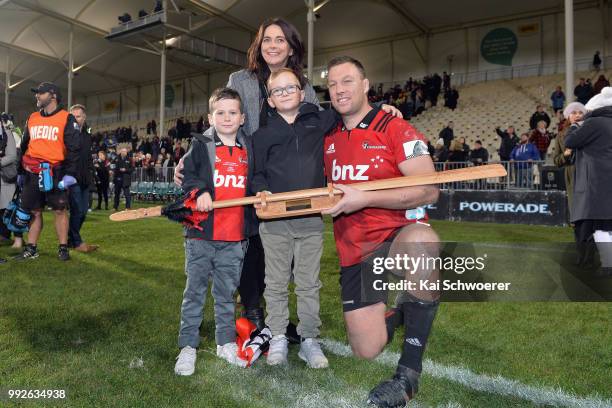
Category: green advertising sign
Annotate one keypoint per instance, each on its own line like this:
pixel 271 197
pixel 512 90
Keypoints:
pixel 499 46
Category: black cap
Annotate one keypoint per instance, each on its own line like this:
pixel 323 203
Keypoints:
pixel 48 87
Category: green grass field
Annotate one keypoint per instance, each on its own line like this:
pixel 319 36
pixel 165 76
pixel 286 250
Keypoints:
pixel 104 327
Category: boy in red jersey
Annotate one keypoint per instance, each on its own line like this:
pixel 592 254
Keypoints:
pixel 218 165
pixel 372 145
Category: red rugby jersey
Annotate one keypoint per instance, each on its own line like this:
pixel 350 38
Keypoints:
pixel 230 178
pixel 370 151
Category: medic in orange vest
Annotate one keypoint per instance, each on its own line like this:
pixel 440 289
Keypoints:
pixel 50 148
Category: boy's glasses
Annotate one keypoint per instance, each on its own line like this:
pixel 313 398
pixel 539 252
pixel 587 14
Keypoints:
pixel 290 89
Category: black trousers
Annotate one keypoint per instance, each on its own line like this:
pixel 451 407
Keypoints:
pixel 253 272
pixel 583 233
pixel 102 194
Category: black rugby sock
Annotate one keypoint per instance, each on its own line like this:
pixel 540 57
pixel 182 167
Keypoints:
pixel 418 320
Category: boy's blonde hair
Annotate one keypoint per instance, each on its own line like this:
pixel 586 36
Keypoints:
pixel 281 71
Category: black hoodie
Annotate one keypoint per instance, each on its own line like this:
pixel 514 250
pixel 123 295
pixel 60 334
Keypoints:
pixel 592 143
pixel 289 157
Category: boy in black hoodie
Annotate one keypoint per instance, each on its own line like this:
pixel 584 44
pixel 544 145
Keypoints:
pixel 217 166
pixel 289 156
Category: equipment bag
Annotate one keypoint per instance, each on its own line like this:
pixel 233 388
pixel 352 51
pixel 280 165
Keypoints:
pixel 16 218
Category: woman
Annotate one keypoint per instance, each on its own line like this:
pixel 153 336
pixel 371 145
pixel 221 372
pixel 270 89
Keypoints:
pixel 459 151
pixel 564 157
pixel 102 167
pixel 277 45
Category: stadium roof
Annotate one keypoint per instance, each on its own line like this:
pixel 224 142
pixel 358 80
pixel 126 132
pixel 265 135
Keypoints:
pixel 37 32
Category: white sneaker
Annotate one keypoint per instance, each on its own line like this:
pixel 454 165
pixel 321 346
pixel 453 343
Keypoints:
pixel 310 352
pixel 277 353
pixel 185 362
pixel 229 352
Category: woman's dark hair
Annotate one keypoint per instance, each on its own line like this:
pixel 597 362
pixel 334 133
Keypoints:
pixel 256 62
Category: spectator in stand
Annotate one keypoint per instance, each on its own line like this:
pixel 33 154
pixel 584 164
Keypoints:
pixel 178 151
pixel 564 157
pixel 558 100
pixel 447 134
pixel 509 140
pixel 479 155
pixel 459 151
pixel 601 83
pixel 155 148
pixel 134 139
pixel 180 128
pixel 167 166
pixel 446 81
pixel 102 178
pixel 200 125
pixel 123 179
pixel 154 127
pixel 541 138
pixel 436 82
pixel 148 128
pixel 524 153
pixel 583 91
pixel 596 61
pixel 451 96
pixel 441 152
pixel 537 116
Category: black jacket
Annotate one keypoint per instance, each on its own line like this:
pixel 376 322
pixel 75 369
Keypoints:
pixel 198 171
pixel 123 176
pixel 536 117
pixel 289 157
pixel 85 171
pixel 72 141
pixel 481 154
pixel 592 143
pixel 507 144
pixel 447 135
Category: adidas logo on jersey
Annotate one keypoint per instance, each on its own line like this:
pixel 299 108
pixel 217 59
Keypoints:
pixel 331 149
pixel 349 172
pixel 229 180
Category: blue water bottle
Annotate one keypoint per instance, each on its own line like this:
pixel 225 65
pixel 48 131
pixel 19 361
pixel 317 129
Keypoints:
pixel 45 178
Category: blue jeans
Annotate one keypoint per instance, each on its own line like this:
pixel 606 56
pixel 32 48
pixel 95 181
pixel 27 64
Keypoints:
pixel 221 261
pixel 79 203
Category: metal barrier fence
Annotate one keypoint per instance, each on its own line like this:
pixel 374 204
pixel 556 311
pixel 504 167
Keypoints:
pixel 522 175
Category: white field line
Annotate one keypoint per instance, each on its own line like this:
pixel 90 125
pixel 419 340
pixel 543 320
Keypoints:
pixel 482 382
pixel 282 389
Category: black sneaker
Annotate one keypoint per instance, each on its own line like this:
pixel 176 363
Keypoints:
pixel 63 254
pixel 2 260
pixel 396 392
pixel 29 252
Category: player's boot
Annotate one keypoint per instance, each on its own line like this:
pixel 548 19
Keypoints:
pixel 397 391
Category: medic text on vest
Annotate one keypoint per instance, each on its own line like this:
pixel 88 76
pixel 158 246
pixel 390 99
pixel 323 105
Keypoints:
pixel 44 132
